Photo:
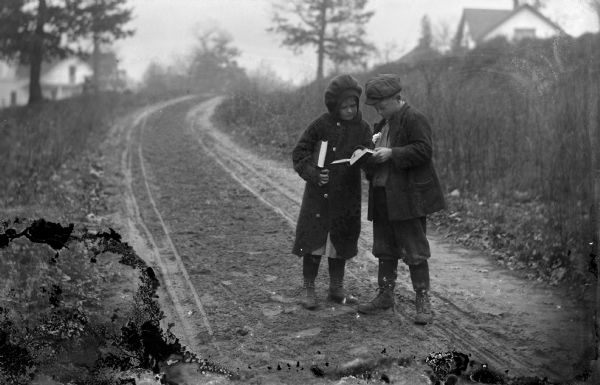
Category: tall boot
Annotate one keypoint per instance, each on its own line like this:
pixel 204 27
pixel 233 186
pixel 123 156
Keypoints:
pixel 386 279
pixel 310 268
pixel 336 283
pixel 419 275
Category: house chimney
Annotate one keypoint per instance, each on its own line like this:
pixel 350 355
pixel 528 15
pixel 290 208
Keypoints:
pixel 515 4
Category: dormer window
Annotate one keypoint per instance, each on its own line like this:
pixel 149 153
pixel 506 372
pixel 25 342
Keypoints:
pixel 72 72
pixel 524 33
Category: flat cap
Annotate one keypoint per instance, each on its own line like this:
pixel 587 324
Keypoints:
pixel 382 87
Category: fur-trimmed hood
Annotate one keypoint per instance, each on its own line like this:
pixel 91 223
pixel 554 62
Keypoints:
pixel 339 89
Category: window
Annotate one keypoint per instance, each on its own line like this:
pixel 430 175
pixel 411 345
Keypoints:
pixel 524 33
pixel 13 98
pixel 72 72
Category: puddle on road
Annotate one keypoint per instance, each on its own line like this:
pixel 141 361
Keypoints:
pixel 307 333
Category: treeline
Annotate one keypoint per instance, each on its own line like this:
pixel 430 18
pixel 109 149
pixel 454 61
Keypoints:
pixel 513 127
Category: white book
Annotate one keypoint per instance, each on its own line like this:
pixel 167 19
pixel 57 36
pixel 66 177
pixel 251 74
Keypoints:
pixel 322 153
pixel 363 154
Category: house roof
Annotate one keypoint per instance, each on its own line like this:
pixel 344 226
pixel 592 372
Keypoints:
pixel 23 70
pixel 483 21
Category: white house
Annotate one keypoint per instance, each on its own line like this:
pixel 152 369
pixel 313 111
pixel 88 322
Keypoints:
pixel 59 80
pixel 11 86
pixel 523 21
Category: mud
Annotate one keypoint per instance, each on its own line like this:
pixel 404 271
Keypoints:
pixel 142 342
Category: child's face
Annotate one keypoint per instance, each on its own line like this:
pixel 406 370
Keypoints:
pixel 387 107
pixel 348 109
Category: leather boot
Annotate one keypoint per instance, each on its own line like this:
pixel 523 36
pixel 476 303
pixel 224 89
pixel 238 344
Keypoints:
pixel 424 313
pixel 419 275
pixel 336 283
pixel 386 277
pixel 309 301
pixel 310 268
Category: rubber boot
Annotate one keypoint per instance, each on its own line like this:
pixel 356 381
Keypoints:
pixel 337 293
pixel 310 268
pixel 419 275
pixel 386 277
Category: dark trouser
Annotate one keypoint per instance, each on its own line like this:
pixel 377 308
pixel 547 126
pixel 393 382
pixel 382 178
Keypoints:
pixel 406 240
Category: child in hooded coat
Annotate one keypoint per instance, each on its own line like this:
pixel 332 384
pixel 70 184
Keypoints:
pixel 329 219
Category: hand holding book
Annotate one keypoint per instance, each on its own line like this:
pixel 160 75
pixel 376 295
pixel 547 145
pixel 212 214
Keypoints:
pixel 359 155
pixel 382 154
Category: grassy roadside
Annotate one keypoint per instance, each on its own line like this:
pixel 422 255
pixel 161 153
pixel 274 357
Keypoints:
pixel 78 307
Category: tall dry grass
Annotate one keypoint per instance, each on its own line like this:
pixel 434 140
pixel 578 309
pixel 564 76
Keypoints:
pixel 36 141
pixel 512 128
pixel 270 120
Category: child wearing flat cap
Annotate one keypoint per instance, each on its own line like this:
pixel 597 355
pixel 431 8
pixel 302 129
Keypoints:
pixel 329 220
pixel 403 190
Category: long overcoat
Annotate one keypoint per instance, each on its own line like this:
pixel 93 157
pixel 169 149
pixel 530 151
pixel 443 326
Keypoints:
pixel 334 208
pixel 413 188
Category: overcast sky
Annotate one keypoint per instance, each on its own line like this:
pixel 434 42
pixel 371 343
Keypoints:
pixel 165 29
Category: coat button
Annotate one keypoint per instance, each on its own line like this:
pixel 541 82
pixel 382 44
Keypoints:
pixel 318 215
pixel 325 196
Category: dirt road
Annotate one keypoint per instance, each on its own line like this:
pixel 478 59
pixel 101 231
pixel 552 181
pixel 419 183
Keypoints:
pixel 218 222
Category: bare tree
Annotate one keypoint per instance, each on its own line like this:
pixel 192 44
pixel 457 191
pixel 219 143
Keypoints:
pixel 390 51
pixel 442 36
pixel 334 27
pixel 213 64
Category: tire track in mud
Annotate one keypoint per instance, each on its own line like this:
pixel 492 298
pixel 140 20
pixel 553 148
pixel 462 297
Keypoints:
pixel 182 289
pixel 280 189
pixel 171 246
pixel 160 249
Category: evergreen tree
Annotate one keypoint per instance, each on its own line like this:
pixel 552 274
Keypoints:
pixel 213 64
pixel 32 31
pixel 426 39
pixel 336 28
pixel 101 22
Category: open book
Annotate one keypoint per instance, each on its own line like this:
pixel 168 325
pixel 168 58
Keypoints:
pixel 358 155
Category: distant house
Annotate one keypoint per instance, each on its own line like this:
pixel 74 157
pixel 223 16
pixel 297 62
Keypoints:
pixel 523 21
pixel 59 80
pixel 11 87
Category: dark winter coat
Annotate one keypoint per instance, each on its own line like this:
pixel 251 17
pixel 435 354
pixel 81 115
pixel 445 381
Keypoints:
pixel 334 208
pixel 412 188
